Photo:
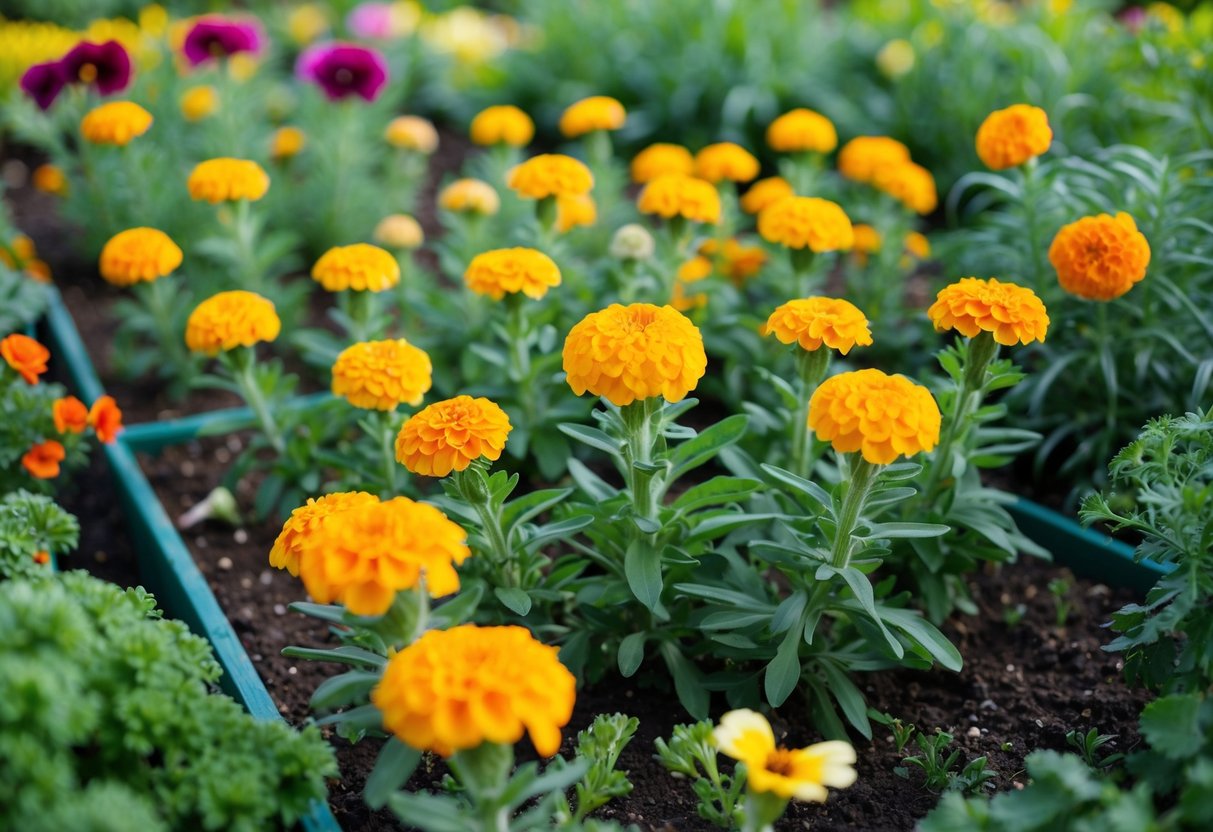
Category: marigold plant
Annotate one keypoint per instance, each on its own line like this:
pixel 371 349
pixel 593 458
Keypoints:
pixel 800 131
pixel 879 415
pixel 862 157
pixel 25 355
pixel 382 375
pixel 575 211
pixel 199 102
pixel 42 461
pixel 471 196
pixel 360 268
pixel 105 418
pixel 725 161
pixel 50 179
pixel 801 222
pixel 70 415
pixel 228 180
pixel 306 519
pixel 812 322
pixel 502 124
pixel 675 195
pixel 550 174
pixel 598 112
pixel 1010 137
pixel 116 123
pixel 1100 257
pixel 734 260
pixel 229 320
pixel 399 231
pixel 765 192
pixel 659 159
pixel 908 183
pixel 287 143
pixel 512 271
pixel 139 254
pixel 1012 314
pixel 450 435
pixel 412 133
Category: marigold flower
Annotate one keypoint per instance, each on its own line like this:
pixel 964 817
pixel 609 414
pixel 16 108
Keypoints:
pixel 450 435
pixel 227 180
pixel 550 174
pixel 138 254
pixel 694 270
pixel 342 70
pixel 806 222
pixel 814 321
pixel 917 245
pixel 42 557
pixel 412 133
pixel 1100 257
pixel 362 556
pixel 105 417
pixel 674 195
pixel 661 158
pixel 229 320
pixel 879 415
pixel 399 231
pixel 360 268
pixel 575 210
pixel 512 270
pixel 598 112
pixel 286 143
pixel 471 196
pixel 502 124
pixel 736 261
pixel 381 375
pixel 42 460
pixel 632 242
pixel 25 355
pixel 456 689
pixel 691 271
pixel 70 415
pixel 625 353
pixel 765 192
pixel 1012 314
pixel 800 131
pixel 1008 138
pixel 199 102
pixel 861 157
pixel 802 773
pixel 115 123
pixel 725 161
pixel 910 184
pixel 304 521
pixel 50 179
pixel 867 239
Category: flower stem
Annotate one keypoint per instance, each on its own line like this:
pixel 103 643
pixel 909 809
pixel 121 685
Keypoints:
pixel 1027 184
pixel 387 436
pixel 159 306
pixel 473 487
pixel 980 352
pixel 863 474
pixel 812 365
pixel 641 438
pixel 244 234
pixel 243 366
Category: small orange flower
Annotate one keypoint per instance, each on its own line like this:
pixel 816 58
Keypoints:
pixel 812 322
pixel 1100 257
pixel 42 460
pixel 725 161
pixel 661 158
pixel 106 419
pixel 359 268
pixel 42 557
pixel 382 375
pixel 861 157
pixel 50 179
pixel 910 184
pixel 1008 138
pixel 229 320
pixel 471 196
pixel 550 174
pixel 502 124
pixel 736 261
pixel 70 415
pixel 806 222
pixel 694 270
pixel 305 520
pixel 199 102
pixel 674 195
pixel 598 112
pixel 764 192
pixel 917 245
pixel 1013 314
pixel 115 123
pixel 575 210
pixel 412 133
pixel 802 130
pixel 286 143
pixel 879 415
pixel 138 254
pixel 450 435
pixel 25 355
pixel 512 270
pixel 228 180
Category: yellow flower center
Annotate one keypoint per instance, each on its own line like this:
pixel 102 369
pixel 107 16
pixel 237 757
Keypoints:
pixel 639 319
pixel 88 73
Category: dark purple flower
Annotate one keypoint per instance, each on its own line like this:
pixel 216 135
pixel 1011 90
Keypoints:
pixel 213 37
pixel 343 69
pixel 43 83
pixel 106 66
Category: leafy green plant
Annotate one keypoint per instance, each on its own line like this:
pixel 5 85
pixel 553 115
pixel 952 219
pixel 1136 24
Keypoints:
pixel 943 769
pixel 1059 589
pixel 32 526
pixel 600 745
pixel 1088 746
pixel 691 753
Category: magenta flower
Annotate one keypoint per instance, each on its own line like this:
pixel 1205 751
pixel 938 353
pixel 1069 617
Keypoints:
pixel 213 37
pixel 105 66
pixel 343 69
pixel 43 83
pixel 371 20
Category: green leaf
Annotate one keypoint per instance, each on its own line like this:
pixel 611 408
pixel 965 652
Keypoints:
pixel 716 491
pixel 688 683
pixel 1173 725
pixel 642 568
pixel 342 655
pixel 594 486
pixel 345 689
pixel 515 600
pixel 592 437
pixel 848 697
pixel 631 654
pixel 924 633
pixel 904 530
pixel 695 452
pixel 800 485
pixel 557 531
pixel 429 812
pixel 783 671
pixel 861 587
pixel 532 505
pixel 393 768
pixel 457 609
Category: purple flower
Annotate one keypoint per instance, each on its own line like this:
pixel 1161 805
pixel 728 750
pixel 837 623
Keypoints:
pixel 371 20
pixel 43 83
pixel 213 37
pixel 343 69
pixel 105 66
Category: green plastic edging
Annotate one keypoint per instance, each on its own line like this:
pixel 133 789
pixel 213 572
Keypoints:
pixel 152 437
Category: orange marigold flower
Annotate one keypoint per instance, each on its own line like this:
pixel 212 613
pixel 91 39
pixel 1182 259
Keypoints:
pixel 412 133
pixel 550 174
pixel 725 161
pixel 115 123
pixel 227 180
pixel 360 268
pixel 917 245
pixel 229 320
pixel 802 130
pixel 381 375
pixel 42 460
pixel 1100 257
pixel 42 557
pixel 814 321
pixel 288 547
pixel 674 195
pixel 471 196
pixel 70 415
pixel 806 222
pixel 1010 137
pixel 456 689
pixel 740 263
pixel 867 239
pixel 138 254
pixel 286 143
pixel 502 124
pixel 861 157
pixel 910 184
pixel 50 179
pixel 199 102
pixel 661 158
pixel 512 270
pixel 450 435
pixel 399 231
pixel 879 415
pixel 25 355
pixel 765 192
pixel 685 301
pixel 598 112
pixel 625 353
pixel 694 270
pixel 1012 314
pixel 362 556
pixel 106 419
pixel 575 210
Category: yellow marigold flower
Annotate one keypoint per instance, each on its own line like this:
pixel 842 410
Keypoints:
pixel 725 160
pixel 363 556
pixel 879 415
pixel 800 773
pixel 867 239
pixel 861 157
pixel 227 180
pixel 675 195
pixel 303 522
pixel 814 321
pixel 502 124
pixel 801 130
pixel 512 270
pixel 917 245
pixel 806 222
pixel 910 184
pixel 1008 138
pixel 50 180
pixel 229 320
pixel 896 58
pixel 450 435
pixel 471 196
pixel 412 133
pixel 661 158
pixel 360 267
pixel 199 102
pixel 138 254
pixel 575 210
pixel 691 271
pixel 764 192
pixel 382 375
pixel 1100 257
pixel 115 123
pixel 307 22
pixel 1012 314
pixel 459 688
pixel 550 174
pixel 286 143
pixel 694 270
pixel 736 261
pixel 625 353
pixel 399 231
pixel 598 112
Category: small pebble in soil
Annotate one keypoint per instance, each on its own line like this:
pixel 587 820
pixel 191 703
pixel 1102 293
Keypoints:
pixel 266 577
pixel 234 444
pixel 100 556
pixel 223 455
pixel 988 705
pixel 200 542
pixel 187 468
pixel 240 536
pixel 279 609
pixel 974 731
pixel 246 583
pixel 224 563
pixel 292 670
